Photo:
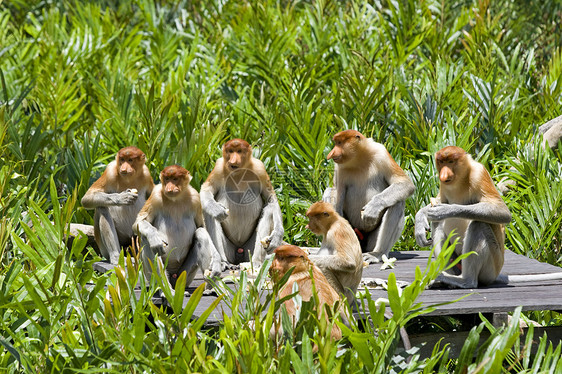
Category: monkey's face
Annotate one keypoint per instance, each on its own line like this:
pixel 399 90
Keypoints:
pixel 345 144
pixel 236 153
pixel 316 223
pixel 130 160
pixel 449 162
pixel 174 179
pixel 320 217
pixel 128 165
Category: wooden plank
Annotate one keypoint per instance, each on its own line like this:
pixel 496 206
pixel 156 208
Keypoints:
pixel 496 298
pixel 456 339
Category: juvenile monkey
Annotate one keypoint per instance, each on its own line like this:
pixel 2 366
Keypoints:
pixel 469 203
pixel 170 227
pixel 241 211
pixel 369 191
pixel 117 196
pixel 339 256
pixel 291 256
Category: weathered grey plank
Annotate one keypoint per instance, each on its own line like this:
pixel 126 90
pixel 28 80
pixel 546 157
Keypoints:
pixel 496 298
pixel 456 339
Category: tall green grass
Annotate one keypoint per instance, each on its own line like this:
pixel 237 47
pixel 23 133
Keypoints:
pixel 79 80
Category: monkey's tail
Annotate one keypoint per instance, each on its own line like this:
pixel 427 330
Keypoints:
pixel 506 279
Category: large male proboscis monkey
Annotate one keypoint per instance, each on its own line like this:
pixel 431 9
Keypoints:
pixel 469 203
pixel 241 211
pixel 291 256
pixel 171 231
pixel 339 256
pixel 369 191
pixel 118 196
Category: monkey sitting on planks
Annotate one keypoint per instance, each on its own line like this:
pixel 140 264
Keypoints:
pixel 339 257
pixel 241 211
pixel 170 227
pixel 118 196
pixel 291 256
pixel 469 203
pixel 369 191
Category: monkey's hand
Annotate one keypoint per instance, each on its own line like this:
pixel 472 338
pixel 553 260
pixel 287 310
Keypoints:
pixel 272 241
pixel 439 212
pixel 127 197
pixel 421 228
pixel 154 239
pixel 217 211
pixel 373 211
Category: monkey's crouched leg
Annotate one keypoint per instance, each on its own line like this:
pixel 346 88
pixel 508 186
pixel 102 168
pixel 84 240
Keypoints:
pixel 106 235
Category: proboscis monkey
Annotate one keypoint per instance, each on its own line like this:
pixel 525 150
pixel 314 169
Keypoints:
pixel 469 203
pixel 118 196
pixel 339 256
pixel 289 256
pixel 171 231
pixel 369 191
pixel 241 211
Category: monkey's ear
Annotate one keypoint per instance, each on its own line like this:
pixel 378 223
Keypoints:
pixel 143 157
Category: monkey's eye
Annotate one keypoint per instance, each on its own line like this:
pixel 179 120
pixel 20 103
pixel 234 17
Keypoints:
pixel 357 136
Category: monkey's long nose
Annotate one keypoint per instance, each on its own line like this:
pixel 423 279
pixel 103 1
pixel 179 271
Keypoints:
pixel 446 175
pixel 336 156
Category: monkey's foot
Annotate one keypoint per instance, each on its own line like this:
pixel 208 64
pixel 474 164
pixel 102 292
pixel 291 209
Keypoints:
pixel 228 266
pixel 439 283
pixel 371 258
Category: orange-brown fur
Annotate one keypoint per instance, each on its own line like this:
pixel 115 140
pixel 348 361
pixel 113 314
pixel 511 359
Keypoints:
pixel 369 191
pixel 115 201
pixel 339 257
pixel 239 227
pixel 468 203
pixel 289 256
pixel 171 223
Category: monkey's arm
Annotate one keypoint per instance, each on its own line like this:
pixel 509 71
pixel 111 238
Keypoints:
pixel 208 202
pixel 334 262
pixel 271 202
pixel 340 191
pixel 422 226
pixel 143 227
pixel 269 231
pixel 489 212
pixel 199 220
pixel 400 187
pixel 96 198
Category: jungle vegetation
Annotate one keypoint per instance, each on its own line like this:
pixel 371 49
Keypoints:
pixel 81 79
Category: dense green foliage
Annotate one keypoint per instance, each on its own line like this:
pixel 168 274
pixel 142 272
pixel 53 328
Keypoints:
pixel 79 80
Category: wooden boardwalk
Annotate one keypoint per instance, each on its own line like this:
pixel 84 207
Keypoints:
pixel 497 298
pixel 494 301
